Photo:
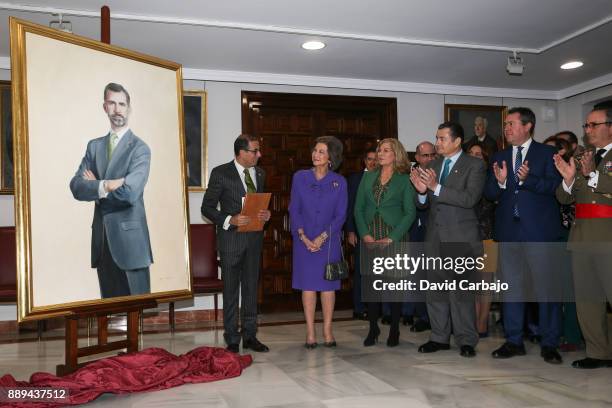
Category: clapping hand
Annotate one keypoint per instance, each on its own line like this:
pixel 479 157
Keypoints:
pixel 567 170
pixel 418 184
pixel 429 178
pixel 523 171
pixel 501 173
pixel 587 163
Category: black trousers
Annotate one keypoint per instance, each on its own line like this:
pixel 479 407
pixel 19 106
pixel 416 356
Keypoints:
pixel 240 274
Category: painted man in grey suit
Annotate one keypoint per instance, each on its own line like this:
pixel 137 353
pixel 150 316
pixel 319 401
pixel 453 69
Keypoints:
pixel 113 174
pixel 240 252
pixel 451 186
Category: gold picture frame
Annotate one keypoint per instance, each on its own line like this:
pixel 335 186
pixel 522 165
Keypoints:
pixel 6 139
pixel 196 138
pixel 58 109
pixel 465 115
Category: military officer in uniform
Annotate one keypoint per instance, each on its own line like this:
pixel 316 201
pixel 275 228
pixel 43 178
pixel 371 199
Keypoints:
pixel 590 239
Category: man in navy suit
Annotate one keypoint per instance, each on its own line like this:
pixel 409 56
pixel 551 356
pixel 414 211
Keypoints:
pixel 523 180
pixel 353 181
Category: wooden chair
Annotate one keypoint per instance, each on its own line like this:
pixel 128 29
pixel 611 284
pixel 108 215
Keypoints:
pixel 204 266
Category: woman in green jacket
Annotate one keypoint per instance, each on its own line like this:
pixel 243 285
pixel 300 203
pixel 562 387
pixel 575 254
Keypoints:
pixel 384 211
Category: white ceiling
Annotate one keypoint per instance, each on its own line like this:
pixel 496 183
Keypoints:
pixel 366 40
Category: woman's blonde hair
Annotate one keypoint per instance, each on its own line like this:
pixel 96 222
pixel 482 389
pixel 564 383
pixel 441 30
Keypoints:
pixel 401 163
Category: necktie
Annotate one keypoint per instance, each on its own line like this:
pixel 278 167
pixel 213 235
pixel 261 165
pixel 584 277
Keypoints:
pixel 249 182
pixel 598 156
pixel 445 171
pixel 518 161
pixel 112 143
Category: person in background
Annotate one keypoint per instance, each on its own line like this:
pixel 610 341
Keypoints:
pixel 353 180
pixel 317 212
pixel 481 136
pixel 485 211
pixel 417 311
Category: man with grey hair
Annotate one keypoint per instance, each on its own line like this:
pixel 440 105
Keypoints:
pixel 481 136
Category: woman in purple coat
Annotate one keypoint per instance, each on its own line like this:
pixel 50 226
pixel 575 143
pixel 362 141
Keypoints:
pixel 317 211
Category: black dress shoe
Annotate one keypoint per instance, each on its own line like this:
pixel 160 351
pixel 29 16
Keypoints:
pixel 551 355
pixel 255 345
pixel 310 346
pixel 508 350
pixel 420 326
pixel 393 339
pixel 386 319
pixel 234 348
pixel 467 351
pixel 372 337
pixel 407 320
pixel 591 363
pixel 433 346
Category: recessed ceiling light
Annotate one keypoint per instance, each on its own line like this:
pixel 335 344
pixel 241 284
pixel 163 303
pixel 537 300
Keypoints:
pixel 572 65
pixel 313 45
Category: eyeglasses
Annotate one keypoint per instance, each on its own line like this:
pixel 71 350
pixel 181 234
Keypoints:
pixel 254 151
pixel 593 125
pixel 428 155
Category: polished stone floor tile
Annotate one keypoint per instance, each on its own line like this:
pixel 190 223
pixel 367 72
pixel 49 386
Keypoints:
pixel 350 375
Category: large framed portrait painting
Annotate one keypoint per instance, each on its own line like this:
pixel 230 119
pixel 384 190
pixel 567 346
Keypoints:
pixel 100 177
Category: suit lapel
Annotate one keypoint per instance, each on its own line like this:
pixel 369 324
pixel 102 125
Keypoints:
pixel 233 174
pixel 457 169
pixel 102 157
pixel 259 179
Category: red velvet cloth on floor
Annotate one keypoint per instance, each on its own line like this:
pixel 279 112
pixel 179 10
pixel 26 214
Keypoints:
pixel 148 370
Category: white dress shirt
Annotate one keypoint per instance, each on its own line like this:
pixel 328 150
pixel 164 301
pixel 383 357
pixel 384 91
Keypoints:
pixel 240 169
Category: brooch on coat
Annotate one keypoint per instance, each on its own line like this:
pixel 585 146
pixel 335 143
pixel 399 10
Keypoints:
pixel 335 184
pixel 608 168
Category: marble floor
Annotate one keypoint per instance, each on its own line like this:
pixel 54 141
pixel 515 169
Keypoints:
pixel 351 375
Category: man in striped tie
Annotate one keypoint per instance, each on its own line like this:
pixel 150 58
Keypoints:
pixel 523 180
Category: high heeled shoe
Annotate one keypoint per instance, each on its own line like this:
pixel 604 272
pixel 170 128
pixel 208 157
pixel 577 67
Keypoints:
pixel 393 339
pixel 310 346
pixel 330 343
pixel 372 337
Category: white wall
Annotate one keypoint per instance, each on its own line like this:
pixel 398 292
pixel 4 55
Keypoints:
pixel 573 111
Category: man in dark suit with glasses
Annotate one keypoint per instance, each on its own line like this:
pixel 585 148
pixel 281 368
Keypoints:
pixel 239 252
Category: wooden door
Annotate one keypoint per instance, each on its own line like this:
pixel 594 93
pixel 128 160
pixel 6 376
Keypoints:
pixel 287 125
